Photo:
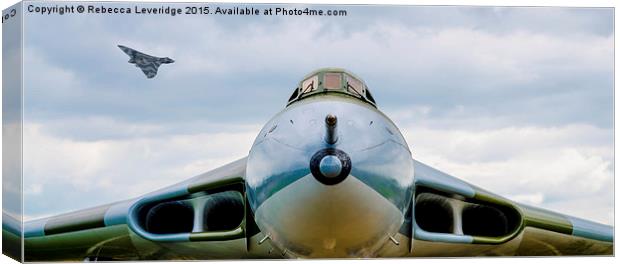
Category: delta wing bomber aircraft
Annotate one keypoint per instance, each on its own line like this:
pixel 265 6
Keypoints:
pixel 147 63
pixel 330 176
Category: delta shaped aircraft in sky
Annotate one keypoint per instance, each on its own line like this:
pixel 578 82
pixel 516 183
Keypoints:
pixel 329 176
pixel 147 63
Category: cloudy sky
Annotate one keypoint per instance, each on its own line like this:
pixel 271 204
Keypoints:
pixel 518 101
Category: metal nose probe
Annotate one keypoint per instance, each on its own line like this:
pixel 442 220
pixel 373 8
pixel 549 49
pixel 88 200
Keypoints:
pixel 330 165
pixel 331 132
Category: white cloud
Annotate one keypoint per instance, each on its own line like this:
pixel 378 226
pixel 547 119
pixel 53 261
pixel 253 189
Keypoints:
pixel 44 76
pixel 513 57
pixel 531 199
pixel 559 168
pixel 104 171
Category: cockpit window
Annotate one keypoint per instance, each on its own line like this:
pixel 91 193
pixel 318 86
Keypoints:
pixel 294 95
pixel 310 84
pixel 355 86
pixel 369 96
pixel 332 81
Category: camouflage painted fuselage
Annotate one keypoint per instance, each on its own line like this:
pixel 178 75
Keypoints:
pixel 147 63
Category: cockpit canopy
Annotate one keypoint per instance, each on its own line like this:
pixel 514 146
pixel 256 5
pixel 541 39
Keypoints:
pixel 332 80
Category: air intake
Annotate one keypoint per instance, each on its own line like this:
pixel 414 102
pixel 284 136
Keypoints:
pixel 438 212
pixel 223 211
pixel 200 216
pixel 170 218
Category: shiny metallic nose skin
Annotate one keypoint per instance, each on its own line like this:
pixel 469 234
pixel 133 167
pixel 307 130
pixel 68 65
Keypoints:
pixel 330 166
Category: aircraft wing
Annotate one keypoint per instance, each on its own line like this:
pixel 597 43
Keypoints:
pixel 208 217
pixel 147 63
pixel 455 218
pixel 132 53
pixel 200 218
pixel 149 69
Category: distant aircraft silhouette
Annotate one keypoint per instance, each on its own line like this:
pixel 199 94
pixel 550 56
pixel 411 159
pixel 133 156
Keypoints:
pixel 147 63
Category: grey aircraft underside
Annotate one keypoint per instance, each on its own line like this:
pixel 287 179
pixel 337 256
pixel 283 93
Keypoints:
pixel 147 63
pixel 328 176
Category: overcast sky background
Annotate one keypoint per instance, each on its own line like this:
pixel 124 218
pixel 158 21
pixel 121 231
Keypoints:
pixel 518 101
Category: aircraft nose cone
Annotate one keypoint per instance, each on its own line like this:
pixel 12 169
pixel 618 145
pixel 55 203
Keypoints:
pixel 330 166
